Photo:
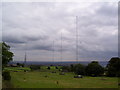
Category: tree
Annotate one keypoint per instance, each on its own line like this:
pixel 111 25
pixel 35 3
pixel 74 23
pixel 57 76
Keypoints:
pixel 6 75
pixel 94 69
pixel 113 67
pixel 65 69
pixel 72 67
pixel 79 69
pixel 7 55
pixel 48 68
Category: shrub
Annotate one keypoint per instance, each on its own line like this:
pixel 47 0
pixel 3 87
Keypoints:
pixel 72 67
pixel 48 68
pixel 56 67
pixel 35 67
pixel 65 68
pixel 6 75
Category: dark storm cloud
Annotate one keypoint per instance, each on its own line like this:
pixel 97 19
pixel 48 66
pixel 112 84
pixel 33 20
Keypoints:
pixel 12 40
pixel 48 48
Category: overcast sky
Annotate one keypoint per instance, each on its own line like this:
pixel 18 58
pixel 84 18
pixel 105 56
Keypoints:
pixel 32 27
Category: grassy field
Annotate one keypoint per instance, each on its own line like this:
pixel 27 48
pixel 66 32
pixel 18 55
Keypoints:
pixel 45 79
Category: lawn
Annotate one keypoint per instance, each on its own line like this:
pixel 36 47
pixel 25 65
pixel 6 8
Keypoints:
pixel 40 79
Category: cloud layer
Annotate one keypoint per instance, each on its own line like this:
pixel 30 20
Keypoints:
pixel 33 27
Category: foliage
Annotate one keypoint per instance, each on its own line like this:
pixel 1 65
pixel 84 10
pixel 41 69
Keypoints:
pixel 56 67
pixel 20 64
pixel 7 56
pixel 6 75
pixel 72 67
pixel 35 67
pixel 79 69
pixel 113 67
pixel 65 68
pixel 94 69
pixel 48 68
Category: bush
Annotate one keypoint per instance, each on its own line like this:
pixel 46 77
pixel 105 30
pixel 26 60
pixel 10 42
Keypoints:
pixel 94 69
pixel 20 65
pixel 35 67
pixel 72 67
pixel 113 67
pixel 6 75
pixel 56 67
pixel 48 68
pixel 65 68
pixel 79 69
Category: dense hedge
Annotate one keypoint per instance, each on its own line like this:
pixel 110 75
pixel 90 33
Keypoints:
pixel 6 75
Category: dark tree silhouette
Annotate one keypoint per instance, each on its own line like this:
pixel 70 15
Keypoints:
pixel 94 69
pixel 113 67
pixel 7 55
pixel 79 69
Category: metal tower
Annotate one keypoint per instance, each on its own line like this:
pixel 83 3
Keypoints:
pixel 53 51
pixel 61 48
pixel 25 59
pixel 77 39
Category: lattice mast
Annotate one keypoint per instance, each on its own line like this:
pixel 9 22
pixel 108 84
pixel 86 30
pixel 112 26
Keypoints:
pixel 77 39
pixel 61 48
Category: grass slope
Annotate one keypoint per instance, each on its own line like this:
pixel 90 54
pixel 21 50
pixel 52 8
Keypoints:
pixel 37 79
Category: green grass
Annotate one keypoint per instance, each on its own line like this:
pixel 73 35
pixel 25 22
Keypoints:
pixel 17 68
pixel 119 83
pixel 37 79
pixel 0 81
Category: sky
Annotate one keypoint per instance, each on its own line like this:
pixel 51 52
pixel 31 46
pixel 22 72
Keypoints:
pixel 32 27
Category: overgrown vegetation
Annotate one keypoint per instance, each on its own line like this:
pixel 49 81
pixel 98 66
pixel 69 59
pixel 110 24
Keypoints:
pixel 6 75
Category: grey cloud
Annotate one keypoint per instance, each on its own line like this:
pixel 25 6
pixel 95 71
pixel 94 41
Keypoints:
pixel 109 9
pixel 36 25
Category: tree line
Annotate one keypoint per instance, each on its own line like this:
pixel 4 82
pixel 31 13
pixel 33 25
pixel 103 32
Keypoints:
pixel 95 69
pixel 92 69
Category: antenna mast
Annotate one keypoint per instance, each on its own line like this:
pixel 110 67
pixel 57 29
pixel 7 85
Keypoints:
pixel 76 39
pixel 53 51
pixel 25 59
pixel 61 47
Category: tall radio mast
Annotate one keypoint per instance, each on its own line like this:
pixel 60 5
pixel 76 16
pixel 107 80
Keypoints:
pixel 76 38
pixel 61 48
